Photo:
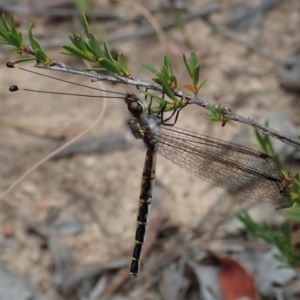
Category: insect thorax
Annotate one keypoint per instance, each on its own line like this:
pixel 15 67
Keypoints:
pixel 145 127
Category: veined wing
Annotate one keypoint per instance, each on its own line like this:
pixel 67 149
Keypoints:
pixel 242 171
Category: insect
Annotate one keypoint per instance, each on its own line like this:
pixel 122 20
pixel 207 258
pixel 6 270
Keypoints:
pixel 242 171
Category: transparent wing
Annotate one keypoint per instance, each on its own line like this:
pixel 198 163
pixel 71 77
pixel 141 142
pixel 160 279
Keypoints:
pixel 240 170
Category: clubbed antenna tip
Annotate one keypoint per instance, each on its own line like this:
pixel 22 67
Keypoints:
pixel 14 88
pixel 10 64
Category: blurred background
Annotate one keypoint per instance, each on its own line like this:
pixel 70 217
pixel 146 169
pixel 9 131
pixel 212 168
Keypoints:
pixel 67 230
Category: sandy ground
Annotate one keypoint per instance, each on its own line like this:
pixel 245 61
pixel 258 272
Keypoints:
pixel 110 181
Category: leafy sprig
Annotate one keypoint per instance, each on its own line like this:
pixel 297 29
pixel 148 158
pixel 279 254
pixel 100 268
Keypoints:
pixel 266 144
pixel 281 238
pixel 193 69
pixel 218 114
pixel 165 105
pixel 85 46
pixel 10 35
pixel 90 50
pixel 165 76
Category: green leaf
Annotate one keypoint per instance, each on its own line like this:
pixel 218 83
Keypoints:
pixel 84 24
pixel 157 80
pixel 96 49
pixel 14 40
pixel 76 53
pixel 24 59
pixel 73 39
pixel 78 41
pixel 151 69
pixel 107 52
pixel 167 90
pixel 5 23
pixel 122 65
pixel 196 73
pixel 261 141
pixel 218 114
pixel 188 67
pixel 193 60
pixel 3 33
pixel 157 99
pixel 87 47
pixel 108 65
pixel 202 84
pixel 173 81
pixel 33 42
pixel 81 43
pixel 9 34
pixel 41 55
pixel 168 64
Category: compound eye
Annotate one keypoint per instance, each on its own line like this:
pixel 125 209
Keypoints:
pixel 135 108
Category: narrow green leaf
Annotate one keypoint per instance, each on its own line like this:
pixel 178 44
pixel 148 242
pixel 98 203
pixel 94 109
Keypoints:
pixel 110 66
pixel 18 40
pixel 78 41
pixel 151 69
pixel 107 52
pixel 18 51
pixel 157 99
pixel 196 72
pixel 70 54
pixel 33 42
pixel 193 60
pixel 173 81
pixel 167 61
pixel 76 53
pixel 168 64
pixel 41 55
pixel 96 49
pixel 84 24
pixel 211 116
pixel 260 139
pixel 24 59
pixel 167 90
pixel 5 24
pixel 123 65
pixel 87 47
pixel 164 75
pixel 14 41
pixel 202 84
pixel 72 39
pixel 157 80
pixel 37 44
pixel 81 43
pixel 188 67
pixel 3 32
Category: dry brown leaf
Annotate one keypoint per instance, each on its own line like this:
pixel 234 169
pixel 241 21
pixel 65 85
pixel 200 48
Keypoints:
pixel 236 281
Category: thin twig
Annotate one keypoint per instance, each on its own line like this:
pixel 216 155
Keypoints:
pixel 191 100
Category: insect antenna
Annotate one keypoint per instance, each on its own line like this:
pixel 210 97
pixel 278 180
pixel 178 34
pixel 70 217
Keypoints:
pixel 15 88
